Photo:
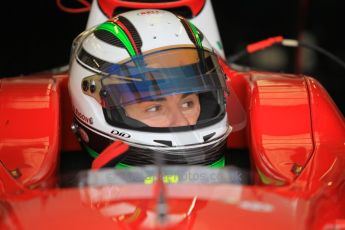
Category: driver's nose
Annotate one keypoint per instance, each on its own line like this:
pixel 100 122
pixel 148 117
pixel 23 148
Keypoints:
pixel 177 118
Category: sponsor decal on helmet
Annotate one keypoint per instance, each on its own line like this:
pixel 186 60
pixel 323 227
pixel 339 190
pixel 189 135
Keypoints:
pixel 84 118
pixel 121 134
pixel 149 12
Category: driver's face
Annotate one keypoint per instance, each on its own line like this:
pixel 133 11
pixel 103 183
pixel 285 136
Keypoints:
pixel 171 111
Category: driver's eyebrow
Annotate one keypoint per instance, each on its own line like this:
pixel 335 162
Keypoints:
pixel 164 98
pixel 186 95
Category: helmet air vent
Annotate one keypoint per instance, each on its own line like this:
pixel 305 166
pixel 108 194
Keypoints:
pixel 164 142
pixel 208 136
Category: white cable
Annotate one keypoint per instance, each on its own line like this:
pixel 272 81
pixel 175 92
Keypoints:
pixel 290 42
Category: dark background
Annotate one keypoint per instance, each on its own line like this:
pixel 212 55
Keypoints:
pixel 36 36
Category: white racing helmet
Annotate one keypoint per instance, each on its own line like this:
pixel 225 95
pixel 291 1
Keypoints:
pixel 144 56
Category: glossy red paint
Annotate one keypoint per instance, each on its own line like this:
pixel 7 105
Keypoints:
pixel 30 128
pixel 108 6
pixel 294 133
pixel 280 126
pixel 190 207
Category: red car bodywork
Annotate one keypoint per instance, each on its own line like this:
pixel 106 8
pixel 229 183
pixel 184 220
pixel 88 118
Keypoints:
pixel 109 7
pixel 295 136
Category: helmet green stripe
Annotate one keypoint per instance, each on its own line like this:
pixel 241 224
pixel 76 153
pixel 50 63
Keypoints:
pixel 120 34
pixel 196 34
pixel 90 151
pixel 218 164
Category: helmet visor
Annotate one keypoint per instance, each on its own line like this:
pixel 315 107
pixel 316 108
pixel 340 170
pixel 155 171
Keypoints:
pixel 159 75
pixel 191 76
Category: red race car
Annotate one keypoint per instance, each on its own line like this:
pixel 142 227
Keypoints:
pixel 294 138
pixel 286 155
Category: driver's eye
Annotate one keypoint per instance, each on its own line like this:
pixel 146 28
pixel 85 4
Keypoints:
pixel 154 108
pixel 188 104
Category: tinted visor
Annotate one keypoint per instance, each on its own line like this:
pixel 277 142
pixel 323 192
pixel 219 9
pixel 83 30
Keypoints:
pixel 150 77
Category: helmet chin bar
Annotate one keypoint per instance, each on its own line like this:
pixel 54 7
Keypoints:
pixel 196 154
pixel 205 155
